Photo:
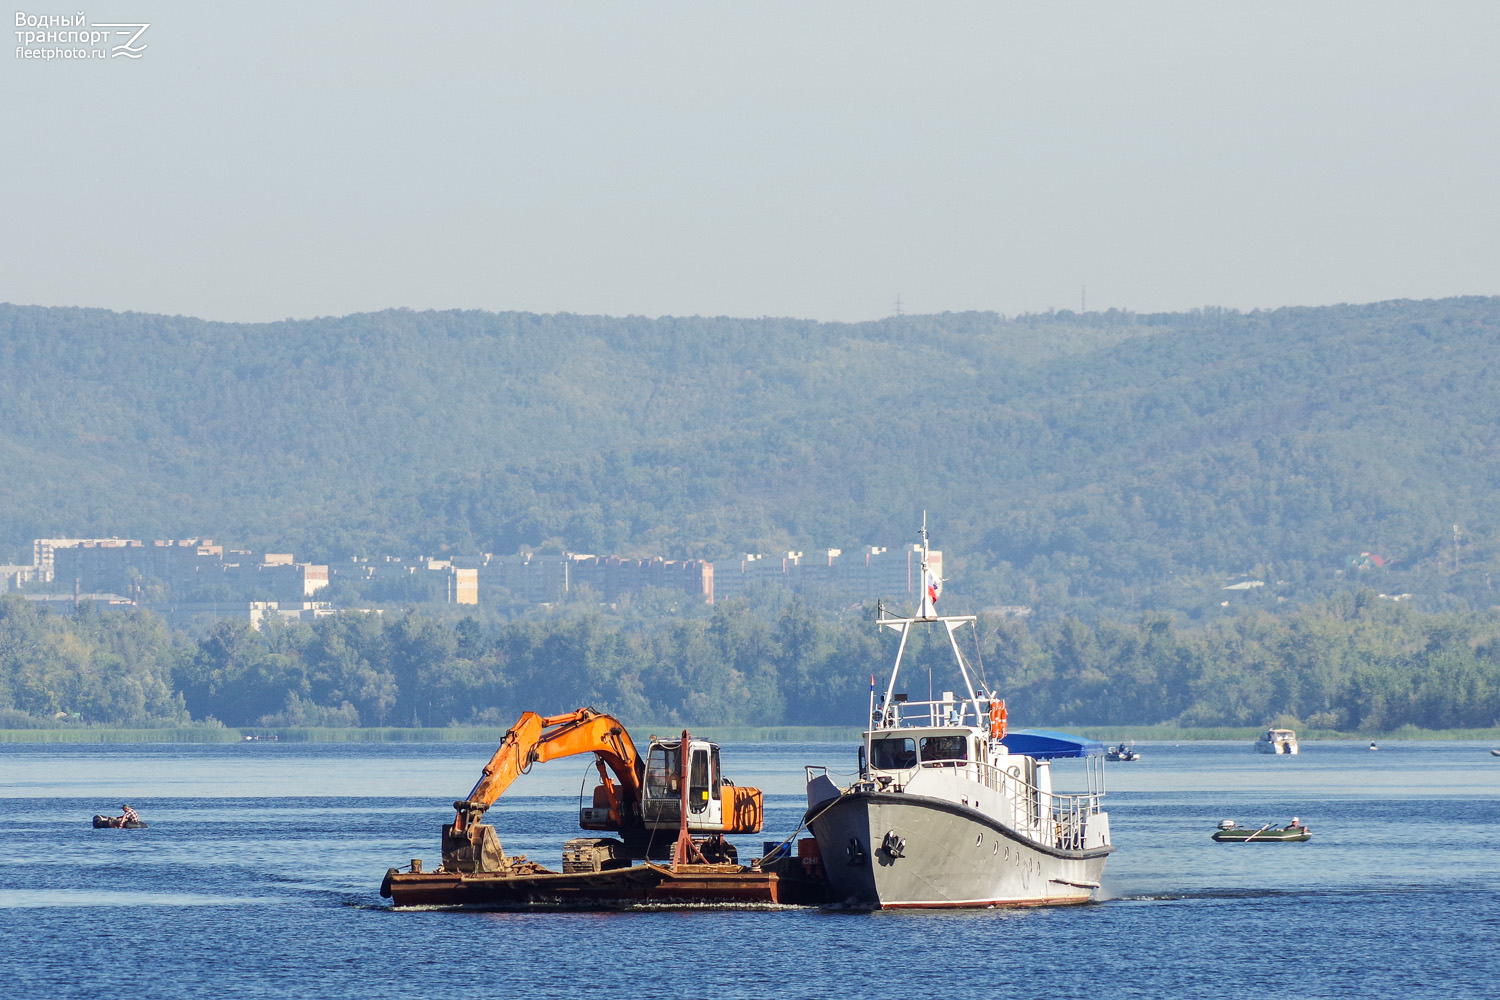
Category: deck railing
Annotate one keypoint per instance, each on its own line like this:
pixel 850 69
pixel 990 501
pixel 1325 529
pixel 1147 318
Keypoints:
pixel 959 712
pixel 1057 818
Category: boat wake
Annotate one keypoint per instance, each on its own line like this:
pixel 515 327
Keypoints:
pixel 1172 896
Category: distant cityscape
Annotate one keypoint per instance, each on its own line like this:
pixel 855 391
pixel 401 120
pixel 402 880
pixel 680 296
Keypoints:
pixel 188 578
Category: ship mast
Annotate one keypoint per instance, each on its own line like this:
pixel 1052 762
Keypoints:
pixel 927 614
pixel 929 581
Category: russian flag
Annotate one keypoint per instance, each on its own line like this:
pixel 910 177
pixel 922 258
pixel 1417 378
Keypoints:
pixel 934 586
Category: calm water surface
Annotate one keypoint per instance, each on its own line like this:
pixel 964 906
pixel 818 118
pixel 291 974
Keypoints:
pixel 259 874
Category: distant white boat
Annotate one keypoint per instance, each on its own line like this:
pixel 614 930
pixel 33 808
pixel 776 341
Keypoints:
pixel 1281 741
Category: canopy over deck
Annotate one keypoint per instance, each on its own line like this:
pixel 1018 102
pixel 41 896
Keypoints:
pixel 1045 744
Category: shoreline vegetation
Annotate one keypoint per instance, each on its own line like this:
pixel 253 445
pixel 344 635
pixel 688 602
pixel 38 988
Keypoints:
pixel 1358 666
pixel 721 734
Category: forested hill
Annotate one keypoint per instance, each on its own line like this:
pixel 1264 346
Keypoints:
pixel 1102 461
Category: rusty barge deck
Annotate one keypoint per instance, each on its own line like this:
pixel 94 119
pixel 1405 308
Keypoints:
pixel 637 885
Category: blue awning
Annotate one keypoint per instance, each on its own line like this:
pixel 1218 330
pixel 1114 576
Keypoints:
pixel 1045 744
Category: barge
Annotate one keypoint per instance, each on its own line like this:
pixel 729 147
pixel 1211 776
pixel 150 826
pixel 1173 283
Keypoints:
pixel 676 787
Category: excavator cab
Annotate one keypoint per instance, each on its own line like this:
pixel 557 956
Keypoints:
pixel 662 804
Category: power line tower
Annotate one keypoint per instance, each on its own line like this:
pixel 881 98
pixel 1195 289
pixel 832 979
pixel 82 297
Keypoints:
pixel 898 313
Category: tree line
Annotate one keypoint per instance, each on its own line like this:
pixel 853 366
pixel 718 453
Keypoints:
pixel 1355 663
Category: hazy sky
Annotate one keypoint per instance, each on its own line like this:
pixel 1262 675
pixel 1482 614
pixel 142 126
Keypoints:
pixel 813 159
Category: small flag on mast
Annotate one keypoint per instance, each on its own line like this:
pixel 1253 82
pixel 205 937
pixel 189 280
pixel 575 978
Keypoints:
pixel 934 587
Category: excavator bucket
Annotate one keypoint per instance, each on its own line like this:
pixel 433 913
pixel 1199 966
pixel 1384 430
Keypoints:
pixel 476 849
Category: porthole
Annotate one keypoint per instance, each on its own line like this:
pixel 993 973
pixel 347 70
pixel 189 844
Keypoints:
pixel 979 840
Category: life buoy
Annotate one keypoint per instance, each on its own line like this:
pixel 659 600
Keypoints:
pixel 997 719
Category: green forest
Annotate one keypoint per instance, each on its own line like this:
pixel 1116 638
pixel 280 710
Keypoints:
pixel 1355 664
pixel 1101 465
pixel 1214 518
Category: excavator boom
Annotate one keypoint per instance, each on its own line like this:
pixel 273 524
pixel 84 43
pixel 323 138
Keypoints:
pixel 536 738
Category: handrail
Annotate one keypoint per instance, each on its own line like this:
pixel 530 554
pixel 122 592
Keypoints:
pixel 1051 817
pixel 933 714
pixel 1063 815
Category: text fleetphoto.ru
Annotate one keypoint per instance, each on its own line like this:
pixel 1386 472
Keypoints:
pixel 74 38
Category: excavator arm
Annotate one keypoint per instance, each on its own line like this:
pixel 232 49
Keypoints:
pixel 535 738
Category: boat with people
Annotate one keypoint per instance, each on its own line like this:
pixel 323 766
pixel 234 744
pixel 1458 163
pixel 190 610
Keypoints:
pixel 129 820
pixel 1278 741
pixel 1122 751
pixel 1230 832
pixel 950 808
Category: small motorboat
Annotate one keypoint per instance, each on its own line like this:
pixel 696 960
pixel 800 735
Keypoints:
pixel 1122 751
pixel 1230 832
pixel 1495 753
pixel 117 823
pixel 1277 741
pixel 1373 746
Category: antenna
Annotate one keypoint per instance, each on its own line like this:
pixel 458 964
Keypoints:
pixel 929 597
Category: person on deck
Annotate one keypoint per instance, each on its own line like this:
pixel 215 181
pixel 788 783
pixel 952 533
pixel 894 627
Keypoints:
pixel 131 816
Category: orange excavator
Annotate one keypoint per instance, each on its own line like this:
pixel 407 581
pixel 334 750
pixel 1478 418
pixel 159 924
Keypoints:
pixel 677 788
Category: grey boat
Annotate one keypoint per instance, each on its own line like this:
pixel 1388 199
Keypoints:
pixel 948 808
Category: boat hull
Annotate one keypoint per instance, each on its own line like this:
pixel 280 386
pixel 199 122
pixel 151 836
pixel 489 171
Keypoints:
pixel 117 823
pixel 952 856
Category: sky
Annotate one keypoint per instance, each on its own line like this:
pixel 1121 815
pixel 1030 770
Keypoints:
pixel 822 160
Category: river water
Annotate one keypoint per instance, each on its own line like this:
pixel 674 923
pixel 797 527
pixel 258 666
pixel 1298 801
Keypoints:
pixel 259 876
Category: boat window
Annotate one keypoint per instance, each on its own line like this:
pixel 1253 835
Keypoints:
pixel 893 754
pixel 944 748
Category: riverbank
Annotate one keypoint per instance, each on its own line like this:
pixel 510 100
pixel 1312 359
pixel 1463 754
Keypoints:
pixel 720 734
pixel 392 734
